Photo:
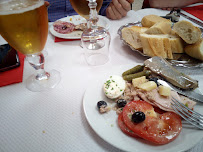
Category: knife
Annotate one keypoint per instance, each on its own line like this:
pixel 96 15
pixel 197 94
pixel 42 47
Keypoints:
pixel 188 93
pixel 191 19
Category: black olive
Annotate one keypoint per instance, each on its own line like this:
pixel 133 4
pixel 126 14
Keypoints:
pixel 101 104
pixel 121 103
pixel 154 79
pixel 138 117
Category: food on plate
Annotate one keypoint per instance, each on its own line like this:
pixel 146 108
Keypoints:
pixel 187 31
pixel 138 81
pixel 164 91
pixel 102 106
pixel 156 128
pixel 156 45
pixel 67 27
pixel 123 127
pixel 156 37
pixel 63 27
pixel 163 27
pixel 144 107
pixel 136 75
pixel 148 86
pixel 114 86
pixel 81 26
pixel 121 103
pixel 195 50
pixel 135 69
pixel 150 20
pixel 132 35
pixel 163 68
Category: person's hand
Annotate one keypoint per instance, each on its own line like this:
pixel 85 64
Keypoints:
pixel 118 9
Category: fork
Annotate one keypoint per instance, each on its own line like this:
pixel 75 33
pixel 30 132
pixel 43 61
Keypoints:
pixel 194 118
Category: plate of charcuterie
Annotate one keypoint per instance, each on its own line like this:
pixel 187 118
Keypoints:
pixel 106 125
pixel 71 27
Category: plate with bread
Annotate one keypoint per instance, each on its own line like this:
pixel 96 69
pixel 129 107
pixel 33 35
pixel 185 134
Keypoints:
pixel 181 43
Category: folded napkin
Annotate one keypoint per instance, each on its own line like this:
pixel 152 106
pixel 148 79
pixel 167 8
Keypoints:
pixel 14 75
pixel 57 39
pixel 196 11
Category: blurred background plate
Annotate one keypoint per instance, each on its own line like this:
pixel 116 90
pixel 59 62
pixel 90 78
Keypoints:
pixel 77 19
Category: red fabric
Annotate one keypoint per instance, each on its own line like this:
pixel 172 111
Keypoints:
pixel 57 39
pixel 196 11
pixel 14 75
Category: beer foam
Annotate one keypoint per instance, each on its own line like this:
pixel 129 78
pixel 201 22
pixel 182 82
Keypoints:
pixel 19 6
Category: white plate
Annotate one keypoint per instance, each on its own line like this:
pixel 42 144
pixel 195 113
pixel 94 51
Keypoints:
pixel 77 19
pixel 105 125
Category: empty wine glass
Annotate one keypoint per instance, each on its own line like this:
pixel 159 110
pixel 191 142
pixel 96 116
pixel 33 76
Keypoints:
pixel 24 25
pixel 95 40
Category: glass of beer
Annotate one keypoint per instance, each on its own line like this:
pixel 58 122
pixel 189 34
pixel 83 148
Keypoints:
pixel 95 40
pixel 24 25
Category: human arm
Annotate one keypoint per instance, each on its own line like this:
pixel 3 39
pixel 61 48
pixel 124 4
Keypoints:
pixel 118 9
pixel 171 3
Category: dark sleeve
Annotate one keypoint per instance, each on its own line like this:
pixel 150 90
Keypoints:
pixel 104 7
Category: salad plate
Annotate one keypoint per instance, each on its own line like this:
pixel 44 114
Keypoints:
pixel 77 19
pixel 105 125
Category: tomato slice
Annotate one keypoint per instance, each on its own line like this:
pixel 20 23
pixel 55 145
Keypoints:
pixel 123 127
pixel 157 128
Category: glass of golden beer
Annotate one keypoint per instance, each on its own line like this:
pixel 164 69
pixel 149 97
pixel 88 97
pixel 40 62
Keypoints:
pixel 24 25
pixel 95 40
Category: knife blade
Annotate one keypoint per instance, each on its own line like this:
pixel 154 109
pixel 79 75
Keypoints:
pixel 188 93
pixel 191 19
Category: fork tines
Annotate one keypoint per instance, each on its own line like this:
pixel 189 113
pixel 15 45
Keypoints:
pixel 186 113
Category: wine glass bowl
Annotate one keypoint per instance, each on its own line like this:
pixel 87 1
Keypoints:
pixel 24 25
pixel 95 40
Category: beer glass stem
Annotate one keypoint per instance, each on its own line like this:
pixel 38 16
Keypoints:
pixel 37 62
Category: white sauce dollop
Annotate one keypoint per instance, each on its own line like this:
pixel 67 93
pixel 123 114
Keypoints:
pixel 114 86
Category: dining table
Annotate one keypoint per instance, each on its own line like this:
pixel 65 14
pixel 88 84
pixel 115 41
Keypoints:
pixel 54 120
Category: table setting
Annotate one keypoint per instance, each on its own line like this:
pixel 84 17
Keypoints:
pixel 63 115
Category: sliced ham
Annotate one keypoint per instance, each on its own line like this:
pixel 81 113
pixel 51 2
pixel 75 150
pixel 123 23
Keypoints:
pixel 63 27
pixel 154 98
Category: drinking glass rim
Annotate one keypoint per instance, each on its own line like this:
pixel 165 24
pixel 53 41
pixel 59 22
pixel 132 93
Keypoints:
pixel 21 10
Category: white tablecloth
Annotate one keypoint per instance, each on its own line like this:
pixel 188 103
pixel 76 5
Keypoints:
pixel 54 121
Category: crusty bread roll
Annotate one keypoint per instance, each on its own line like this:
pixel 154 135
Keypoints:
pixel 163 45
pixel 177 44
pixel 150 20
pixel 156 45
pixel 195 50
pixel 132 36
pixel 187 31
pixel 163 27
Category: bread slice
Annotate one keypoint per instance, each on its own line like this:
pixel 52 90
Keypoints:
pixel 155 45
pixel 163 27
pixel 187 31
pixel 132 36
pixel 195 50
pixel 177 44
pixel 150 20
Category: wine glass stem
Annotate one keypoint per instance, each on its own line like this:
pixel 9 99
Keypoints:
pixel 37 62
pixel 93 18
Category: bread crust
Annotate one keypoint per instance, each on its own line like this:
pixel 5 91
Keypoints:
pixel 150 20
pixel 187 31
pixel 132 36
pixel 195 50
